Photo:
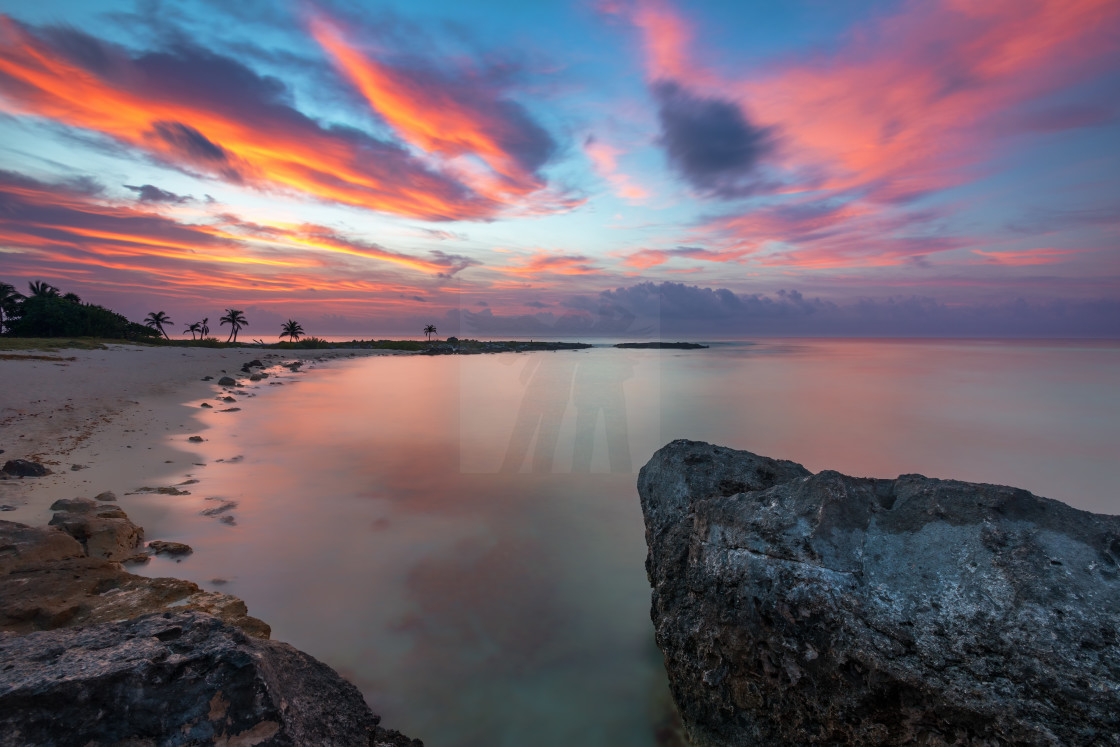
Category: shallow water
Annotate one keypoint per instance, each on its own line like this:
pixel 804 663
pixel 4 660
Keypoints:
pixel 461 537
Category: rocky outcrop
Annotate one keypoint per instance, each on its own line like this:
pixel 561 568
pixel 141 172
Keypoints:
pixel 94 655
pixel 795 608
pixel 47 581
pixel 182 678
pixel 104 530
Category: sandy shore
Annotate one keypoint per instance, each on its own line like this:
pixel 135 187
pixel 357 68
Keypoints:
pixel 113 419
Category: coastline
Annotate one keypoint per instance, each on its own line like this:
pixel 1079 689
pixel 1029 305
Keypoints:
pixel 121 415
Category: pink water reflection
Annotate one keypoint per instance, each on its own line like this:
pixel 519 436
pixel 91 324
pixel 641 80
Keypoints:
pixel 483 582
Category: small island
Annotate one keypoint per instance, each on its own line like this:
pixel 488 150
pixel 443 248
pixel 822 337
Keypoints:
pixel 660 345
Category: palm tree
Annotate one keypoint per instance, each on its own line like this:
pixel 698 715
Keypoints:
pixel 429 331
pixel 42 288
pixel 205 328
pixel 73 297
pixel 156 320
pixel 292 330
pixel 196 327
pixel 235 318
pixel 9 299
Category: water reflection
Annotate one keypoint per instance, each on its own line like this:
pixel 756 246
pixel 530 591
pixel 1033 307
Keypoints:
pixel 599 393
pixel 462 537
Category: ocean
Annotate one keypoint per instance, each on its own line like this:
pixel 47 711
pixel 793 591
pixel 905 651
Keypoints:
pixel 461 536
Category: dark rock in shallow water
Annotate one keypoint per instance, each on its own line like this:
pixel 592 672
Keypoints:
pixel 227 381
pixel 24 468
pixel 175 679
pixel 795 608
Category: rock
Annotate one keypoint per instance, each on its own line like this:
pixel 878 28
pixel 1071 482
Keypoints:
pixel 160 547
pixel 47 581
pixel 255 363
pixel 76 467
pixel 227 398
pixel 231 409
pixel 795 608
pixel 255 377
pixel 103 530
pixel 207 378
pixel 180 678
pixel 22 546
pixel 195 439
pixel 227 381
pixel 6 507
pixel 206 404
pixel 24 468
pixel 107 495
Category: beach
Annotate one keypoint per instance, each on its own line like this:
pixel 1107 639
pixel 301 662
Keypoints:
pixel 114 419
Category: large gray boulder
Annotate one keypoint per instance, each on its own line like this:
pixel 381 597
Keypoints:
pixel 171 679
pixel 795 608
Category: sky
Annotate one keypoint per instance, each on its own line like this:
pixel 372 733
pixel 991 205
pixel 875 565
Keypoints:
pixel 716 168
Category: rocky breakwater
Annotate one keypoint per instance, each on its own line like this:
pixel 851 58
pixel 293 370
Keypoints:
pixel 800 608
pixel 93 655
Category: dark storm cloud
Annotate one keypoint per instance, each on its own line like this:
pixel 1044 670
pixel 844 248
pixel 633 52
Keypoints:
pixel 709 141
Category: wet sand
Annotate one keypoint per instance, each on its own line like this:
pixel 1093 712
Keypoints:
pixel 114 419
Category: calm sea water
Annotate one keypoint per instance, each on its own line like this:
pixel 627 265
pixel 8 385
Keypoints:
pixel 461 537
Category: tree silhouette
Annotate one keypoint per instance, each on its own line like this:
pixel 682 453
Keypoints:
pixel 156 320
pixel 40 288
pixel 292 330
pixel 205 329
pixel 196 327
pixel 429 331
pixel 235 318
pixel 9 302
pixel 73 298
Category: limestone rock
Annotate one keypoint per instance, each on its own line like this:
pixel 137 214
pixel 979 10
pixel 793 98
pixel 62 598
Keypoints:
pixel 22 546
pixel 48 582
pixel 180 678
pixel 104 530
pixel 169 548
pixel 795 608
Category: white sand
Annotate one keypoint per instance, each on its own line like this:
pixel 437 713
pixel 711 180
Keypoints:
pixel 124 414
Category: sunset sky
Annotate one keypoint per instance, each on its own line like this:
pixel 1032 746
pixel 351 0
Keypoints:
pixel 617 167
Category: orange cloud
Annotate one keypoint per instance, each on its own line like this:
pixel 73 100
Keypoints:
pixel 461 120
pixel 213 116
pixel 1045 256
pixel 550 263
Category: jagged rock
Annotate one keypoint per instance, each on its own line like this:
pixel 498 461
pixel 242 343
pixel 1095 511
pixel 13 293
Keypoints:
pixel 162 547
pixel 255 363
pixel 795 608
pixel 227 398
pixel 255 377
pixel 195 439
pixel 227 381
pixel 181 678
pixel 104 530
pixel 206 404
pixel 24 468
